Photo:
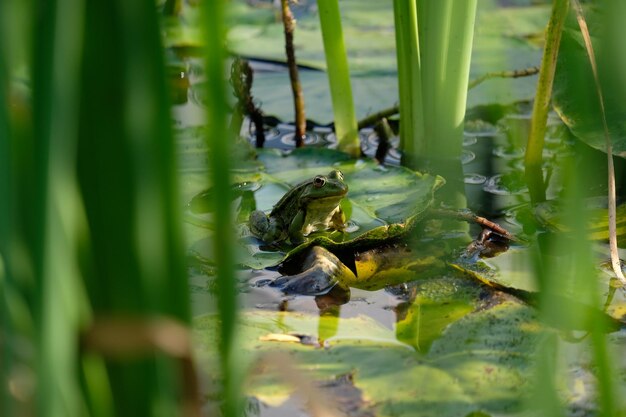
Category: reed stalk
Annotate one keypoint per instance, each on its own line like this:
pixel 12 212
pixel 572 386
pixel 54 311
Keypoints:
pixel 409 78
pixel 339 77
pixel 9 331
pixel 220 165
pixel 533 158
pixel 574 268
pixel 59 299
pixel 132 258
pixel 446 31
pixel 606 388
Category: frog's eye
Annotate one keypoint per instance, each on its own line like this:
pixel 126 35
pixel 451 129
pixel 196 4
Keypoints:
pixel 319 181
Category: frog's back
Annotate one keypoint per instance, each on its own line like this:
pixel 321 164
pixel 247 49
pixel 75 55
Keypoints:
pixel 289 204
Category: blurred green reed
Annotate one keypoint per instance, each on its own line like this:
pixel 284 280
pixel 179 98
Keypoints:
pixel 91 226
pixel 220 165
pixel 7 353
pixel 566 263
pixel 89 208
pixel 59 299
pixel 127 172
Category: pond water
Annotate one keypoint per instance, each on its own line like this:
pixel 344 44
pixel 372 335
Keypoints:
pixel 492 165
pixel 441 345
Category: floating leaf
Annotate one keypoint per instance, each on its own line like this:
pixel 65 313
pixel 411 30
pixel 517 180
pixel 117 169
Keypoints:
pixel 575 98
pixel 481 362
pixel 377 197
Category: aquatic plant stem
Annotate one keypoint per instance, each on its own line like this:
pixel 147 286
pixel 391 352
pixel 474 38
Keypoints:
pixel 289 24
pixel 457 67
pixel 220 164
pixel 409 79
pixel 446 32
pixel 339 77
pixel 8 280
pixel 526 72
pixel 615 261
pixel 58 299
pixel 533 158
pixel 607 392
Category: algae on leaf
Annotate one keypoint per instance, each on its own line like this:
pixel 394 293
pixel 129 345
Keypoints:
pixel 480 362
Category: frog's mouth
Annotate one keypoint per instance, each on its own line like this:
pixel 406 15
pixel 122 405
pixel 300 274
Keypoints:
pixel 327 200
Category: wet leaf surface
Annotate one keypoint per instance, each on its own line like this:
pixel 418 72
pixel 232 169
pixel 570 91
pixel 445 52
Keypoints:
pixel 377 197
pixel 481 361
pixel 575 96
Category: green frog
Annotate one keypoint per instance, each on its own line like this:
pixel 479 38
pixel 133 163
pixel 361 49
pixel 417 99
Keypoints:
pixel 308 207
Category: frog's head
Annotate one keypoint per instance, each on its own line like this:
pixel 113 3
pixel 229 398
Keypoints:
pixel 325 186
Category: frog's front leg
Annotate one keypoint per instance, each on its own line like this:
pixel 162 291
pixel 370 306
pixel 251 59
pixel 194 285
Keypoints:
pixel 295 228
pixel 338 221
pixel 264 227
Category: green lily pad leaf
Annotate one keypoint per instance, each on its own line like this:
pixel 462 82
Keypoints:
pixel 550 216
pixel 382 203
pixel 438 303
pixel 510 274
pixel 508 271
pixel 391 194
pixel 575 98
pixel 481 362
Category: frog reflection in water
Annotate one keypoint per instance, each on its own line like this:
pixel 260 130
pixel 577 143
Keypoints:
pixel 308 207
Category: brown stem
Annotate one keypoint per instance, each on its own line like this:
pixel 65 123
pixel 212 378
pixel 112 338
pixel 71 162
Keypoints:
pixel 468 216
pixel 526 72
pixel 298 99
pixel 383 130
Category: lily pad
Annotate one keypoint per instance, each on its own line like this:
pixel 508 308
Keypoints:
pixel 575 97
pixel 391 194
pixel 481 362
pixel 379 199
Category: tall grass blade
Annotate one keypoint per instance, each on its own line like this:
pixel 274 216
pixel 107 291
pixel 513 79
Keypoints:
pixel 220 155
pixel 59 303
pixel 533 159
pixel 606 389
pixel 575 272
pixel 339 77
pixel 446 31
pixel 615 261
pixel 133 263
pixel 8 332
